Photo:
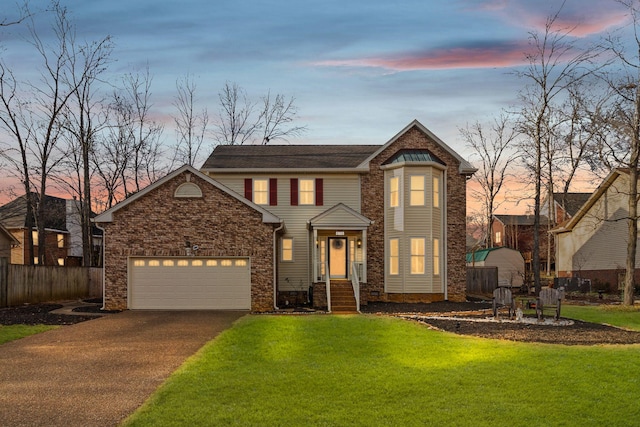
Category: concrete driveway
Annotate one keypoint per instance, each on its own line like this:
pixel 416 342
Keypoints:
pixel 98 372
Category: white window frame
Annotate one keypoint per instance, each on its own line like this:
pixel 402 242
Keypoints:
pixel 263 194
pixel 436 192
pixel 307 196
pixel 394 191
pixel 286 253
pixel 417 192
pixel 394 257
pixel 436 257
pixel 417 255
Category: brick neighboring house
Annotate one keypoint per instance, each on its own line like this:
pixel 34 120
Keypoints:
pixel 388 220
pixel 516 232
pixel 63 235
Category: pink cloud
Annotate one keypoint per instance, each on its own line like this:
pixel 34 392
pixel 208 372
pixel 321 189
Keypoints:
pixel 439 59
pixel 585 17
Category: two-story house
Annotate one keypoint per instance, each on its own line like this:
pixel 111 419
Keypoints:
pixel 259 227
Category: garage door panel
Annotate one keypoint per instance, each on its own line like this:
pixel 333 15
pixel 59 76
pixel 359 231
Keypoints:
pixel 188 283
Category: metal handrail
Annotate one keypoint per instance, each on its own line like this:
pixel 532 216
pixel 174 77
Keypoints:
pixel 355 284
pixel 327 282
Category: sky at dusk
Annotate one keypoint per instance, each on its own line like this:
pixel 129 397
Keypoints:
pixel 360 70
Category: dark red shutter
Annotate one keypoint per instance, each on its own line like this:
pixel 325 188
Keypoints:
pixel 319 192
pixel 294 191
pixel 273 192
pixel 248 189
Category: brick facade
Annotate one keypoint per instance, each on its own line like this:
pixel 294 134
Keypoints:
pixel 157 224
pixel 372 185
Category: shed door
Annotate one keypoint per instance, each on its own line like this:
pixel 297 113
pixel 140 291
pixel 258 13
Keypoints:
pixel 189 283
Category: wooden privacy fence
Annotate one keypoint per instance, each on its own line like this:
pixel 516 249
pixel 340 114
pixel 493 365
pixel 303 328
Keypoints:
pixel 20 284
pixel 481 280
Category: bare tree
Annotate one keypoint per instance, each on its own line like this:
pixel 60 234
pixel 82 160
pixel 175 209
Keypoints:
pixel 145 164
pixel 493 149
pixel 277 117
pixel 240 121
pixel 191 125
pixel 554 64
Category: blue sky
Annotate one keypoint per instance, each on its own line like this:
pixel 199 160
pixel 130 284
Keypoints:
pixel 360 70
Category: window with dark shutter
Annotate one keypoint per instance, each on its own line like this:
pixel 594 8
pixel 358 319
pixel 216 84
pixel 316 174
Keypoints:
pixel 294 191
pixel 319 192
pixel 248 187
pixel 273 192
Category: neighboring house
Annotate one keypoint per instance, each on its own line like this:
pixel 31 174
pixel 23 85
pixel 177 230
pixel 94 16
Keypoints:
pixel 517 232
pixel 564 206
pixel 7 241
pixel 277 223
pixel 63 240
pixel 593 243
pixel 510 264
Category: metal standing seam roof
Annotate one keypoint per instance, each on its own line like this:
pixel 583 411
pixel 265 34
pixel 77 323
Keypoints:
pixel 419 155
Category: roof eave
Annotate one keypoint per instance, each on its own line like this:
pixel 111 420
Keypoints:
pixel 282 170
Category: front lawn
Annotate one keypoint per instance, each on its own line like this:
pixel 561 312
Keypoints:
pixel 14 332
pixel 374 370
pixel 616 315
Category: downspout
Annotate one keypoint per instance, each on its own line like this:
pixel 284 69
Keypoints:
pixel 104 236
pixel 275 264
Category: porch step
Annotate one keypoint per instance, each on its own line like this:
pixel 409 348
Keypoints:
pixel 342 298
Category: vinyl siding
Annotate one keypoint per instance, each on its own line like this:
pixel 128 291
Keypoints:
pixel 405 222
pixel 338 188
pixel 596 243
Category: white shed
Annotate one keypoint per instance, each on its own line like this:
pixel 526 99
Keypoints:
pixel 510 264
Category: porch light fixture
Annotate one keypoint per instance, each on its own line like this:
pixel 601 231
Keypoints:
pixel 359 243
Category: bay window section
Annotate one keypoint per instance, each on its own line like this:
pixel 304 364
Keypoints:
pixel 416 190
pixel 436 192
pixel 394 192
pixel 436 257
pixel 394 257
pixel 417 255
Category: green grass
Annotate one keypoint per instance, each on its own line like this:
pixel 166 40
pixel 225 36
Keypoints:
pixel 14 332
pixel 379 371
pixel 616 315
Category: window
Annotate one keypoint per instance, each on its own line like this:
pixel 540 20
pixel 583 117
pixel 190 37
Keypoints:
pixel 394 257
pixel 416 185
pixel 167 263
pixel 417 256
pixel 260 191
pixel 240 263
pixel 498 237
pixel 436 192
pixel 287 249
pixel 34 237
pixel 394 192
pixel 436 257
pixel 61 261
pixel 61 240
pixel 36 260
pixel 307 193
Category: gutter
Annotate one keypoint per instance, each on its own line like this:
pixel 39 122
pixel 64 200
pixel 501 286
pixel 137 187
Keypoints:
pixel 275 264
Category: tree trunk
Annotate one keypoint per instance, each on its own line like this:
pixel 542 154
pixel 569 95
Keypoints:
pixel 632 237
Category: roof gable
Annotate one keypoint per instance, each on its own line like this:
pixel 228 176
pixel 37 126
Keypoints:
pixel 465 168
pixel 340 216
pixel 8 236
pixel 572 201
pixel 14 213
pixel 107 216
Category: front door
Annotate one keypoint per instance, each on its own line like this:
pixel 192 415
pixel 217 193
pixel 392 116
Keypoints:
pixel 338 260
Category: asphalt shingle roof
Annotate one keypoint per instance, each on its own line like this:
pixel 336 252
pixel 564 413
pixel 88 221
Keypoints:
pixel 288 156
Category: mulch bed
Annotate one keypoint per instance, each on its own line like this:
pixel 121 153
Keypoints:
pixel 579 333
pixel 38 314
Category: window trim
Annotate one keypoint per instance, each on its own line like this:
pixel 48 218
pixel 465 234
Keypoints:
pixel 417 256
pixel 422 191
pixel 394 256
pixel 436 191
pixel 263 191
pixel 312 192
pixel 283 249
pixel 394 203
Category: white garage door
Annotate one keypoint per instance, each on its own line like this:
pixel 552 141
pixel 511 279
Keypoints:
pixel 189 283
